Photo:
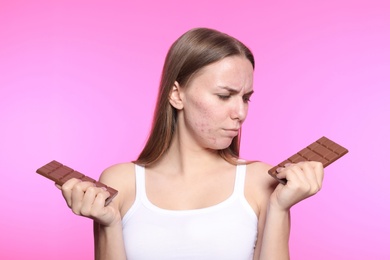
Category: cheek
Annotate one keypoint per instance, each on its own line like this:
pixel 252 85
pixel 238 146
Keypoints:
pixel 203 116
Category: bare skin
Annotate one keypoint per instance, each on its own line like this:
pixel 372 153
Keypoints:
pixel 191 175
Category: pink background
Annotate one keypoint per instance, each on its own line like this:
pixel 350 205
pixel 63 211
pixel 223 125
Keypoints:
pixel 78 84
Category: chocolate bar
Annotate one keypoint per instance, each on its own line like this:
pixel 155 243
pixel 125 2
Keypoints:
pixel 60 173
pixel 323 150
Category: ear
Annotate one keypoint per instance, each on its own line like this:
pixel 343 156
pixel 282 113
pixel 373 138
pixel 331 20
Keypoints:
pixel 175 96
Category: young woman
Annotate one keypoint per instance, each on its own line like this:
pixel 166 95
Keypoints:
pixel 189 195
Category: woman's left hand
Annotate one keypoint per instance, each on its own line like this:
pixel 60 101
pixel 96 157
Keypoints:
pixel 304 179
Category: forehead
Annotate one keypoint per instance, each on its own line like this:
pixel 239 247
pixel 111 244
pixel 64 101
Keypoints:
pixel 233 71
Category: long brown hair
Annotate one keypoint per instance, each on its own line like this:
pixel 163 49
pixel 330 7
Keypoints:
pixel 194 50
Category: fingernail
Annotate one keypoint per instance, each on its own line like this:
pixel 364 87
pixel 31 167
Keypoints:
pixel 287 164
pixel 279 169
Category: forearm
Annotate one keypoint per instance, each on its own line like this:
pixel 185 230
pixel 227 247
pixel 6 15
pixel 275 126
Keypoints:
pixel 109 242
pixel 275 242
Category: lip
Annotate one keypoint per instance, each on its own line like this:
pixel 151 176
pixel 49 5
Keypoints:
pixel 232 131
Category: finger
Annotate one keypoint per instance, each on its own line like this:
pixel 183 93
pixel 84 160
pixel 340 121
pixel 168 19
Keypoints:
pixel 318 171
pixel 77 195
pixel 281 170
pixel 89 197
pixel 98 207
pixel 293 175
pixel 311 177
pixel 67 188
pixel 279 173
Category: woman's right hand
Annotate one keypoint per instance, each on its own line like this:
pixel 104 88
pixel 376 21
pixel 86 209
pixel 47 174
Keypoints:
pixel 85 199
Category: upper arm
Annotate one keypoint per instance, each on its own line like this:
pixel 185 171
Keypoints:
pixel 259 187
pixel 121 177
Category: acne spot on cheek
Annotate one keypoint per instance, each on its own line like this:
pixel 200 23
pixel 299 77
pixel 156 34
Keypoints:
pixel 201 126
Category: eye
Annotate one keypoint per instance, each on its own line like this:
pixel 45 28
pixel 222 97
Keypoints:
pixel 224 97
pixel 246 99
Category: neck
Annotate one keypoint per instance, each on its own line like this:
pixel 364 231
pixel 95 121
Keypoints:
pixel 188 159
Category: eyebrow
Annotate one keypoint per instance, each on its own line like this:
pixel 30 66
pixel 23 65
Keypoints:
pixel 234 91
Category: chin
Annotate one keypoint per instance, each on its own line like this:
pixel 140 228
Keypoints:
pixel 221 145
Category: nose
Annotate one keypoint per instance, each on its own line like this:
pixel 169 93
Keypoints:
pixel 239 110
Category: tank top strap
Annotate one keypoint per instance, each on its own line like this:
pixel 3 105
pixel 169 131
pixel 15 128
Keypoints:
pixel 140 192
pixel 240 180
pixel 140 182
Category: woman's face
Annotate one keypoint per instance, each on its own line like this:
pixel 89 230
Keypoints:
pixel 215 102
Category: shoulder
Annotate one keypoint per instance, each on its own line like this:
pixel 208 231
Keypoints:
pixel 121 177
pixel 117 174
pixel 257 173
pixel 258 185
pixel 118 170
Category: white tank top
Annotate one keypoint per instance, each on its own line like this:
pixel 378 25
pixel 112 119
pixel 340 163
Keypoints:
pixel 227 230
